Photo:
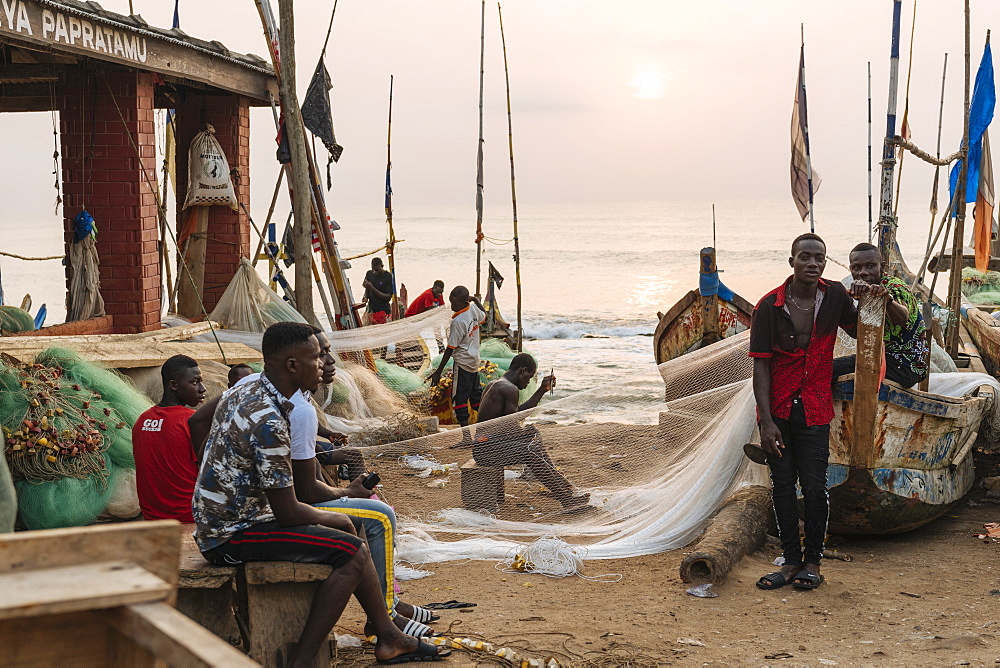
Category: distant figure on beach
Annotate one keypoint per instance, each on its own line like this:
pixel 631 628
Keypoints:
pixel 510 442
pixel 792 335
pixel 378 292
pixel 165 463
pixel 428 299
pixel 904 336
pixel 463 346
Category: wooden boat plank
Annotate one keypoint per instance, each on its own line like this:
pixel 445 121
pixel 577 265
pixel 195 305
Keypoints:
pixel 179 333
pixel 134 354
pixel 681 329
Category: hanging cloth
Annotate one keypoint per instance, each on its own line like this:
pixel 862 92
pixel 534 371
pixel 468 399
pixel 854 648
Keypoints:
pixel 84 299
pixel 317 115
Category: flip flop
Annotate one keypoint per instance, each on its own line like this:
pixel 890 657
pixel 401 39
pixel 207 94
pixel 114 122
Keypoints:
pixel 448 605
pixel 775 580
pixel 423 652
pixel 811 580
pixel 755 453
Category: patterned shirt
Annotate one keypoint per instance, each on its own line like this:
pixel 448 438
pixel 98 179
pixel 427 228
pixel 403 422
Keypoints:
pixel 796 372
pixel 905 344
pixel 247 453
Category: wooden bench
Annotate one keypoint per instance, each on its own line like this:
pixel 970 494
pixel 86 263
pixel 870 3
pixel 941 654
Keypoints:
pixel 263 604
pixel 482 486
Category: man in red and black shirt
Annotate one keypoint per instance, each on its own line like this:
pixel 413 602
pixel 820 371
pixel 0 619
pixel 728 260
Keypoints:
pixel 428 299
pixel 791 342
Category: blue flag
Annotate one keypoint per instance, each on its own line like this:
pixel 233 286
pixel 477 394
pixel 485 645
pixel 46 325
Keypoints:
pixel 984 101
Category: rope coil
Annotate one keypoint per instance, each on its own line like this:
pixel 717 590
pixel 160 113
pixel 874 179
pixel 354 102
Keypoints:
pixel 552 557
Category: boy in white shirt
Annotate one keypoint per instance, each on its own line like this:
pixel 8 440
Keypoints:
pixel 463 346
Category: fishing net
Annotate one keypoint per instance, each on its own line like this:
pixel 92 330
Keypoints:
pixel 248 305
pixel 8 496
pixel 67 424
pixel 981 287
pixel 14 319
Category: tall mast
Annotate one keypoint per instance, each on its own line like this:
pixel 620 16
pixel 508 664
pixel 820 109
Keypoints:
pixel 886 219
pixel 479 157
pixel 958 244
pixel 390 242
pixel 870 230
pixel 905 130
pixel 513 191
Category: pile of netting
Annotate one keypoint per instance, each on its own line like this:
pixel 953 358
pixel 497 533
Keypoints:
pixel 981 287
pixel 67 425
pixel 248 304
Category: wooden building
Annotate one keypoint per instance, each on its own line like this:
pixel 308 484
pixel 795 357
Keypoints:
pixel 105 74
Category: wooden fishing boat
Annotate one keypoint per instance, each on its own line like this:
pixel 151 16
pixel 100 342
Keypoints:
pixel 913 465
pixel 984 330
pixel 698 320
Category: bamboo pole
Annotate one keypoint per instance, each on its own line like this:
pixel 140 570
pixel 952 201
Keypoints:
pixel 805 126
pixel 479 157
pixel 937 168
pixel 390 242
pixel 906 109
pixel 299 179
pixel 870 227
pixel 955 279
pixel 513 190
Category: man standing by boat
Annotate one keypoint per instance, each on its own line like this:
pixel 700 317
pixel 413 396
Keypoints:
pixel 463 345
pixel 378 292
pixel 792 336
pixel 427 300
pixel 905 342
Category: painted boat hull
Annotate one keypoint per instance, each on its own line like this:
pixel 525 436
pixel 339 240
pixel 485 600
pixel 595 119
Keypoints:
pixel 985 333
pixel 922 462
pixel 681 329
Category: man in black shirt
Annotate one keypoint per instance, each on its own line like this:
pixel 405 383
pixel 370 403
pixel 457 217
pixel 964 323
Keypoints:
pixel 378 292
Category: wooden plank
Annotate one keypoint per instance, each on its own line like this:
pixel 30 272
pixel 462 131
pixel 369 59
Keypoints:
pixel 871 322
pixel 273 572
pixel 170 636
pixel 84 586
pixel 195 571
pixel 179 333
pixel 153 545
pixel 133 354
pixel 75 639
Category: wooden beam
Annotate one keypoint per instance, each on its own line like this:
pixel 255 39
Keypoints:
pixel 135 354
pixel 178 333
pixel 83 586
pixel 171 637
pixel 868 367
pixel 942 262
pixel 119 39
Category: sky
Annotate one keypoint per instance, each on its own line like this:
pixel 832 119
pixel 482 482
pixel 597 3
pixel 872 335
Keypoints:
pixel 612 101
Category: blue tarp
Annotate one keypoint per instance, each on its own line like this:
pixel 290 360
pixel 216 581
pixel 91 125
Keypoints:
pixel 984 100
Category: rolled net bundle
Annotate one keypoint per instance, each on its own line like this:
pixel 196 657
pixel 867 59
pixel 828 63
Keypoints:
pixel 249 305
pixel 655 469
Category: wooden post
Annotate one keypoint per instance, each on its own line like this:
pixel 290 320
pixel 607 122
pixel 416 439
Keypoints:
pixel 192 264
pixel 868 368
pixel 301 187
pixel 479 156
pixel 958 243
pixel 709 303
pixel 928 318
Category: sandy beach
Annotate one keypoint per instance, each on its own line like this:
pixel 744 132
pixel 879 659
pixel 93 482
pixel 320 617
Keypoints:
pixel 929 597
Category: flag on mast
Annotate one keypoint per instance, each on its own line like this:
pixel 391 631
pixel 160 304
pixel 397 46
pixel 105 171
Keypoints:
pixel 984 100
pixel 805 181
pixel 982 233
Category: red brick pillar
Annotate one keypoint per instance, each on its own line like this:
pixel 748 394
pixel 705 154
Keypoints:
pixel 107 139
pixel 228 232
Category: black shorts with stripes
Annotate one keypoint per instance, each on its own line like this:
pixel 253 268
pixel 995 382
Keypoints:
pixel 269 541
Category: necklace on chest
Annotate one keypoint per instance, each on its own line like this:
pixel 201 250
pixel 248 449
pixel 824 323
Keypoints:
pixel 796 304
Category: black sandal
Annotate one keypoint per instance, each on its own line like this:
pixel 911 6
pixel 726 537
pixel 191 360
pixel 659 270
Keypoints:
pixel 807 580
pixel 775 580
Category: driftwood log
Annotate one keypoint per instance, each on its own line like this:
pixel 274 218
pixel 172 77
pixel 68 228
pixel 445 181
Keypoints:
pixel 738 528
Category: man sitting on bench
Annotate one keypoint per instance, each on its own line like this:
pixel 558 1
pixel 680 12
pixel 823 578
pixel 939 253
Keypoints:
pixel 508 442
pixel 245 507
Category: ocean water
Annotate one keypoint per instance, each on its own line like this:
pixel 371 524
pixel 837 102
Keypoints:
pixel 588 270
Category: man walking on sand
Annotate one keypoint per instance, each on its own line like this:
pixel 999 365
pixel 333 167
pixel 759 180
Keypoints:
pixel 792 336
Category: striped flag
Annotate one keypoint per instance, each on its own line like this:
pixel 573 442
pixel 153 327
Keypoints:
pixel 982 234
pixel 805 181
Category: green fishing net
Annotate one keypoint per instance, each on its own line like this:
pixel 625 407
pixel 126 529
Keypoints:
pixel 8 497
pixel 14 319
pixel 981 287
pixel 397 378
pixel 68 429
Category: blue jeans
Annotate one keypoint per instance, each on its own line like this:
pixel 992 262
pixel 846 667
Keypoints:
pixel 379 521
pixel 803 461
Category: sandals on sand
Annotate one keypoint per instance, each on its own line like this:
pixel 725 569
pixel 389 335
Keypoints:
pixel 775 580
pixel 807 580
pixel 423 652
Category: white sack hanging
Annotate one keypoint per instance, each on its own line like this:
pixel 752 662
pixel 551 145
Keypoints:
pixel 208 173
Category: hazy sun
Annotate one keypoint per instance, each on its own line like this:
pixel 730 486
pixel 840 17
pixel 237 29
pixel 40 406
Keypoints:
pixel 648 85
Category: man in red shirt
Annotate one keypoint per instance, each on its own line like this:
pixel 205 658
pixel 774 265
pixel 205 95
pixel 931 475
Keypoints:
pixel 165 463
pixel 427 300
pixel 792 336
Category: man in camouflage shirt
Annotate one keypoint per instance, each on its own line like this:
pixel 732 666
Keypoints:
pixel 905 339
pixel 245 507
